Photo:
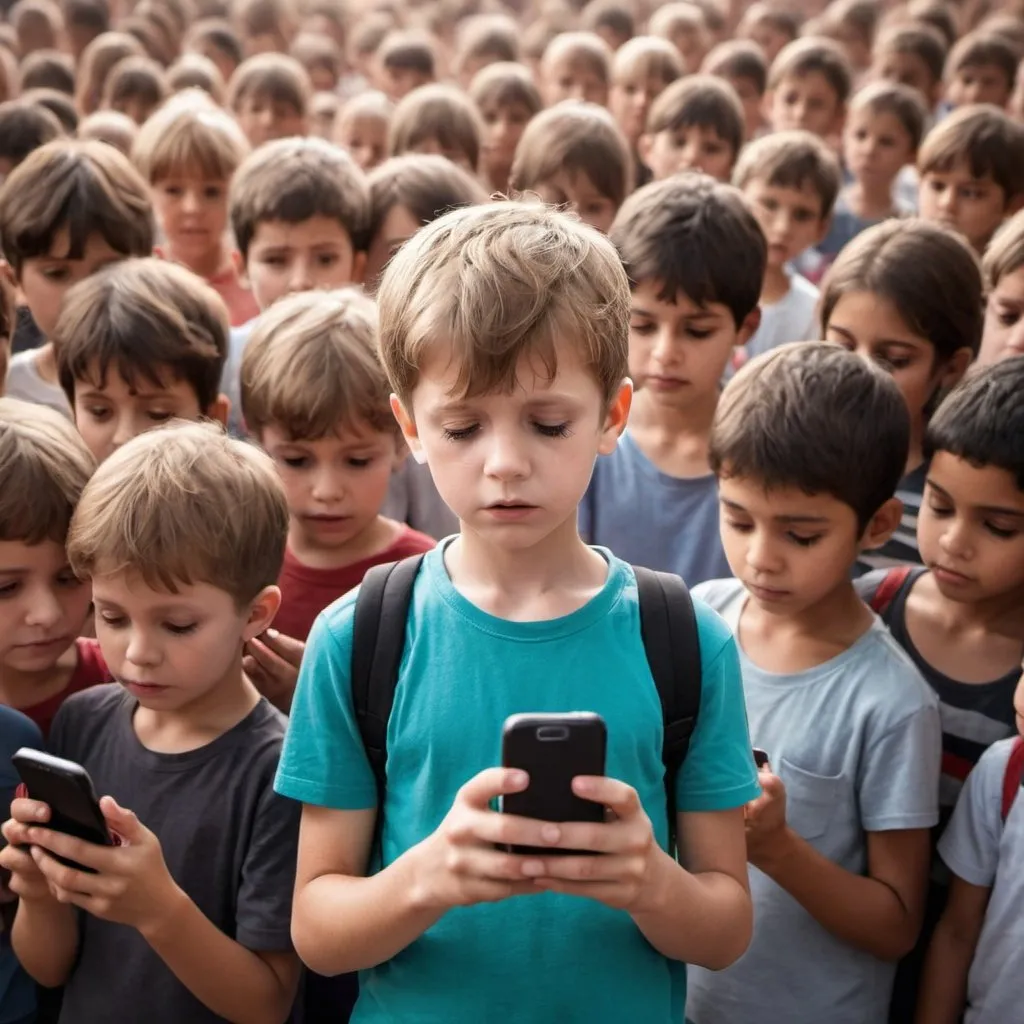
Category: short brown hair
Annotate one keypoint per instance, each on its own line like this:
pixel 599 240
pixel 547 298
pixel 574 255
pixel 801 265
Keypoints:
pixel 648 57
pixel 194 71
pixel 505 84
pixel 615 16
pixel 814 55
pixel 584 48
pixel 44 465
pixel 694 236
pixel 493 37
pixel 85 188
pixel 272 76
pixel 738 58
pixel 982 49
pixel 672 19
pixel 97 61
pixel 311 366
pixel 292 180
pixel 904 103
pixel 189 133
pixel 926 271
pixel 439 112
pixel 495 282
pixel 24 127
pixel 313 51
pixel 60 104
pixel 184 504
pixel 577 138
pixel 135 78
pixel 984 138
pixel 1005 253
pixel 112 128
pixel 816 418
pixel 48 69
pixel 921 41
pixel 407 51
pixel 792 159
pixel 426 185
pixel 218 35
pixel 148 318
pixel 702 101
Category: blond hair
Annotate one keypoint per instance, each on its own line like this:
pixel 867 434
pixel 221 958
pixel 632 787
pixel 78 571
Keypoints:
pixel 189 133
pixel 44 465
pixel 311 366
pixel 498 282
pixel 180 505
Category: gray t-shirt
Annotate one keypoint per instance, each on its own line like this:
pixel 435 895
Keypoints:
pixel 792 318
pixel 230 383
pixel 229 841
pixel 413 499
pixel 651 519
pixel 857 743
pixel 25 382
pixel 979 848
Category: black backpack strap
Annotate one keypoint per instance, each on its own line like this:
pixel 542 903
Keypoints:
pixel 378 639
pixel 668 625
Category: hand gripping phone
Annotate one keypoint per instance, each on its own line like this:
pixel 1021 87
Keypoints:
pixel 553 750
pixel 68 790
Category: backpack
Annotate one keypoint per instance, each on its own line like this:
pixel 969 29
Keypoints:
pixel 890 586
pixel 668 626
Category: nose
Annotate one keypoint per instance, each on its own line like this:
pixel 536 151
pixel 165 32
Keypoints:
pixel 124 429
pixel 506 458
pixel 327 488
pixel 955 539
pixel 760 554
pixel 1015 338
pixel 664 350
pixel 578 91
pixel 190 201
pixel 947 200
pixel 140 650
pixel 44 609
pixel 301 277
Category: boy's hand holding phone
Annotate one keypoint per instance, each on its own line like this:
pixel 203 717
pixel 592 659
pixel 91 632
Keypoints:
pixel 767 833
pixel 131 884
pixel 27 881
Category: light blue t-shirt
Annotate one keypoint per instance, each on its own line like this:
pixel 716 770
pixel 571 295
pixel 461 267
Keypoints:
pixel 539 958
pixel 652 519
pixel 857 744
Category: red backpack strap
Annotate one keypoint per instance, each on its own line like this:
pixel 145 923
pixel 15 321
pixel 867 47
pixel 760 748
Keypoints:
pixel 889 588
pixel 1014 776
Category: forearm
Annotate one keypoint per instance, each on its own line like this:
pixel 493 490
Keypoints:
pixel 342 923
pixel 860 910
pixel 45 940
pixel 703 919
pixel 230 980
pixel 943 990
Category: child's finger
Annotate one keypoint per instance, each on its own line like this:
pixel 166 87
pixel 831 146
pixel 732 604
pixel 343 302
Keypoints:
pixel 621 798
pixel 287 647
pixel 492 782
pixel 267 659
pixel 23 809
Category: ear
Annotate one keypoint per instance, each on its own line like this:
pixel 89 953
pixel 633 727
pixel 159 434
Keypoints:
pixel 262 610
pixel 359 268
pixel 881 526
pixel 219 409
pixel 749 327
pixel 7 272
pixel 409 432
pixel 615 421
pixel 953 371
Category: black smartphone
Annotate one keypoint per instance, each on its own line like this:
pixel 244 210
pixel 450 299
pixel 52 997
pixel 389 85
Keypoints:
pixel 760 758
pixel 553 750
pixel 68 790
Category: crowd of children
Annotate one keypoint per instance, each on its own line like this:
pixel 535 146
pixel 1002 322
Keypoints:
pixel 529 298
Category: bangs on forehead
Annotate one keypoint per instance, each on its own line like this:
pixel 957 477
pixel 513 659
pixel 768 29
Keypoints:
pixel 136 374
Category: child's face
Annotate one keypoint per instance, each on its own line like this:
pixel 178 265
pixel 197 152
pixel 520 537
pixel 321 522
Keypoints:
pixel 504 124
pixel 175 651
pixel 335 488
pixel 910 70
pixel 435 147
pixel 693 147
pixel 752 102
pixel 805 101
pixel 44 280
pixel 971 531
pixel 581 195
pixel 514 464
pixel 573 79
pixel 678 350
pixel 192 212
pixel 399 82
pixel 226 64
pixel 766 35
pixel 1003 336
pixel 285 258
pixel 973 206
pixel 790 550
pixel 789 217
pixel 872 327
pixel 978 83
pixel 43 607
pixel 397 228
pixel 630 99
pixel 365 136
pixel 264 119
pixel 109 411
pixel 135 107
pixel 876 147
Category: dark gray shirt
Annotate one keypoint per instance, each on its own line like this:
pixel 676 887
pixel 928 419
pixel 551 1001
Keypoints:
pixel 228 839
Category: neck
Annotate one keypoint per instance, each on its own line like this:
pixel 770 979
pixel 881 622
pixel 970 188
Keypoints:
pixel 666 422
pixel 207 264
pixel 46 363
pixel 999 615
pixel 870 200
pixel 378 535
pixel 202 720
pixel 776 284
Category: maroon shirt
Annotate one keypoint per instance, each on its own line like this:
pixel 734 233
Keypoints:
pixel 91 670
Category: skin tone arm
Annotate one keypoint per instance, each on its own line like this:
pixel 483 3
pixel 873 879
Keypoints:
pixel 458 865
pixel 943 991
pixel 879 913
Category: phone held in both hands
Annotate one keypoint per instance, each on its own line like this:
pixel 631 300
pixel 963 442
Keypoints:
pixel 68 790
pixel 553 749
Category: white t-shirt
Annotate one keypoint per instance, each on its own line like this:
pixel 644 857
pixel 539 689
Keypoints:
pixel 25 382
pixel 792 318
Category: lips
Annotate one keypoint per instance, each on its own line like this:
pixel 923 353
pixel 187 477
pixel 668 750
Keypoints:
pixel 951 576
pixel 42 645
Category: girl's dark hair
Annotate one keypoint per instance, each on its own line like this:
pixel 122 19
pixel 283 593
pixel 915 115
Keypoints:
pixel 926 271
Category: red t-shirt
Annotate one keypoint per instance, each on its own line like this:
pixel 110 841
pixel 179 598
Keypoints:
pixel 91 670
pixel 306 592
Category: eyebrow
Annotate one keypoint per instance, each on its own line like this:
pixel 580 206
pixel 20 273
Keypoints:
pixel 846 333
pixel 700 314
pixel 733 506
pixel 997 510
pixel 538 402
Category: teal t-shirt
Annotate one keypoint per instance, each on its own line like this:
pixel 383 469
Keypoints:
pixel 537 959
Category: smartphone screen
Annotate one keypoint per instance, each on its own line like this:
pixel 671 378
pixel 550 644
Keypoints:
pixel 760 758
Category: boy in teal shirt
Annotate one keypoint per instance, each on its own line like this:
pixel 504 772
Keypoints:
pixel 504 333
